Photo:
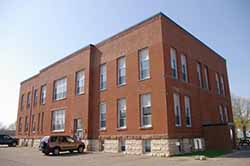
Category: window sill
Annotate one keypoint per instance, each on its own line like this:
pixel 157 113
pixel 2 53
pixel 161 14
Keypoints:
pixel 80 94
pixel 121 129
pixel 144 79
pixel 146 127
pixel 189 126
pixel 57 131
pixel 178 126
pixel 103 90
pixel 60 99
pixel 102 129
pixel 121 85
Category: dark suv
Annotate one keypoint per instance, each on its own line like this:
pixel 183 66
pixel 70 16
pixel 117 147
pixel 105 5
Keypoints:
pixel 56 144
pixel 8 140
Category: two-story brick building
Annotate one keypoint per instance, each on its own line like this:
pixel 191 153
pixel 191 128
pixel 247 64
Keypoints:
pixel 152 88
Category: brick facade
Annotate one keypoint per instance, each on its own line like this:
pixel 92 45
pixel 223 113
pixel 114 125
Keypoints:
pixel 158 34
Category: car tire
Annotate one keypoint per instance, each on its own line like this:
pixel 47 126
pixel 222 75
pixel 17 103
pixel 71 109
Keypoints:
pixel 80 149
pixel 56 151
pixel 71 151
pixel 14 144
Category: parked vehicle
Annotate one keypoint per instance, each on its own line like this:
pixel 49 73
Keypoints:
pixel 56 144
pixel 244 141
pixel 8 140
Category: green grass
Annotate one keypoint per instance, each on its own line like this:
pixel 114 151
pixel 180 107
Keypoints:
pixel 207 153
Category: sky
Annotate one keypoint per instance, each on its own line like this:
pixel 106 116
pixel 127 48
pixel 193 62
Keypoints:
pixel 34 34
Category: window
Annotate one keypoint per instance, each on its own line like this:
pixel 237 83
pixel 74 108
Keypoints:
pixel 217 84
pixel 122 113
pixel 43 94
pixel 26 124
pixel 206 82
pixel 222 85
pixel 173 63
pixel 144 64
pixel 199 77
pixel 35 96
pixel 22 102
pixel 60 89
pixel 226 113
pixel 20 124
pixel 146 146
pixel 122 145
pixel 197 144
pixel 102 109
pixel 184 72
pixel 80 81
pixel 177 110
pixel 78 128
pixel 38 121
pixel 33 123
pixel 121 71
pixel 146 114
pixel 42 119
pixel 221 114
pixel 103 77
pixel 58 120
pixel 28 100
pixel 187 111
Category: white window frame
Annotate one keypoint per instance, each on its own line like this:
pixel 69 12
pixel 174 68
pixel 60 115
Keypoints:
pixel 218 90
pixel 206 82
pixel 80 82
pixel 58 119
pixel 60 89
pixel 103 76
pixel 122 107
pixel 177 109
pixel 199 75
pixel 146 105
pixel 43 94
pixel 221 114
pixel 121 71
pixel 184 72
pixel 147 144
pixel 102 114
pixel 144 60
pixel 222 85
pixel 188 111
pixel 173 60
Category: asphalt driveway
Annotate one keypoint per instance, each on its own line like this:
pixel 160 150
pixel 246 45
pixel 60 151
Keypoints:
pixel 32 157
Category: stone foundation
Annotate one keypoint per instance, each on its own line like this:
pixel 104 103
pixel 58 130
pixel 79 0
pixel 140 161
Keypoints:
pixel 111 146
pixel 133 147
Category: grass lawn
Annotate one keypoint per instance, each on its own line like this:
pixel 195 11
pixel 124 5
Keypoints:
pixel 207 153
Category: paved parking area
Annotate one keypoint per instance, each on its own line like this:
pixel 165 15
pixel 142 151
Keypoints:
pixel 32 157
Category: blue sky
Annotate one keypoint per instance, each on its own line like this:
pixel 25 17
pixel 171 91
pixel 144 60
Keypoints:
pixel 34 34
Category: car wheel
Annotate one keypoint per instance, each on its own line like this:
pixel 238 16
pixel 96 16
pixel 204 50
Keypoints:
pixel 14 144
pixel 80 149
pixel 56 151
pixel 71 151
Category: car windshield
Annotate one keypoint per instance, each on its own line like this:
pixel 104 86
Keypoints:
pixel 45 139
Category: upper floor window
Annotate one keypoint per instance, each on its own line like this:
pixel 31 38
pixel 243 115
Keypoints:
pixel 199 77
pixel 173 58
pixel 146 113
pixel 102 112
pixel 60 89
pixel 20 124
pixel 177 110
pixel 221 114
pixel 28 100
pixel 35 96
pixel 144 64
pixel 58 120
pixel 103 77
pixel 226 113
pixel 217 84
pixel 122 113
pixel 43 94
pixel 33 122
pixel 222 85
pixel 121 71
pixel 206 82
pixel 80 80
pixel 187 111
pixel 26 124
pixel 184 73
pixel 22 102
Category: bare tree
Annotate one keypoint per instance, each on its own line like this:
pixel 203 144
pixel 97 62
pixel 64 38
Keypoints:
pixel 241 111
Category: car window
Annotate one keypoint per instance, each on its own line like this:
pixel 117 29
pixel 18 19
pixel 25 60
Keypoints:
pixel 6 137
pixel 53 139
pixel 62 139
pixel 69 139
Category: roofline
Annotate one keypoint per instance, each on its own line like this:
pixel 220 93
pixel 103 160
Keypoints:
pixel 120 33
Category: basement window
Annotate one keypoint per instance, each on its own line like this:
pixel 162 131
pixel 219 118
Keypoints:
pixel 147 146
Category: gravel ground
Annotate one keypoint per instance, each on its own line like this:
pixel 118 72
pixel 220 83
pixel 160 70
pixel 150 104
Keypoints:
pixel 21 156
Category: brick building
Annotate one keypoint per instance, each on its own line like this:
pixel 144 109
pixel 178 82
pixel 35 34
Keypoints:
pixel 152 88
